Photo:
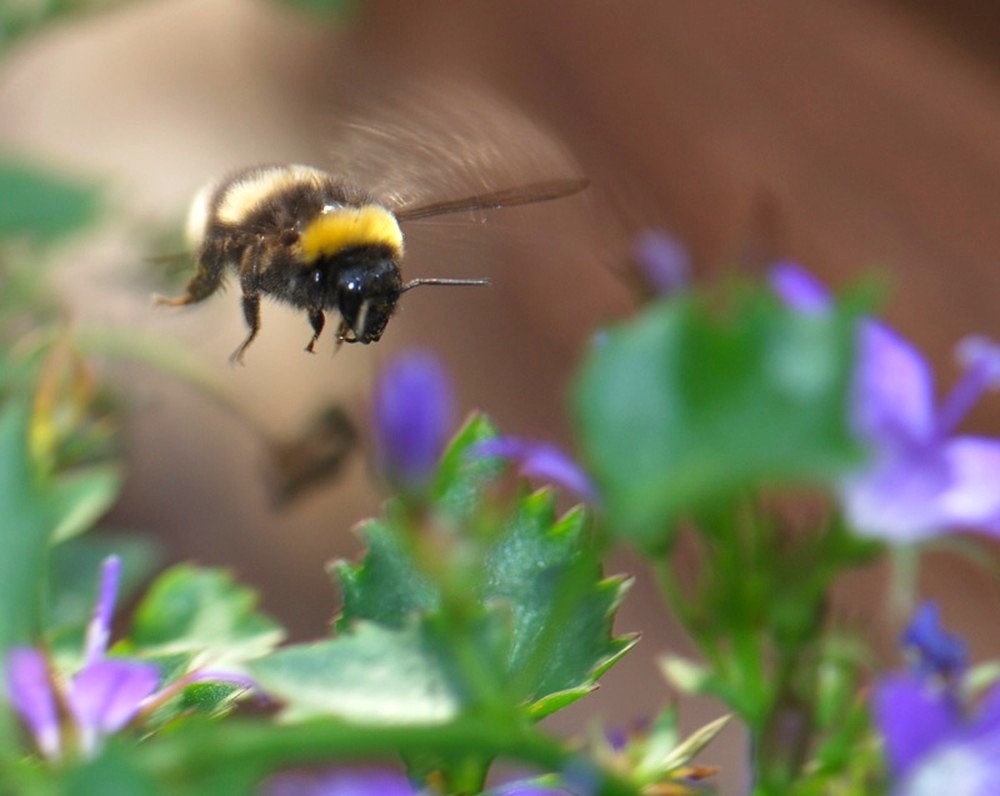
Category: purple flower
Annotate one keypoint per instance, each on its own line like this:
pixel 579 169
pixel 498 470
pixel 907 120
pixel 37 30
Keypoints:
pixel 539 460
pixel 934 741
pixel 413 418
pixel 663 262
pixel 103 696
pixel 935 651
pixel 921 479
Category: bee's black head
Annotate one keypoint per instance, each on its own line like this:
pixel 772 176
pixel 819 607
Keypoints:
pixel 365 290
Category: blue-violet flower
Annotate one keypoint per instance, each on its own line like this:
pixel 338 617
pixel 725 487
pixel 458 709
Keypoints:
pixel 539 460
pixel 934 742
pixel 663 261
pixel 921 479
pixel 103 696
pixel 413 417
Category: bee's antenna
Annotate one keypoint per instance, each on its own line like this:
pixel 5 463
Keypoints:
pixel 436 281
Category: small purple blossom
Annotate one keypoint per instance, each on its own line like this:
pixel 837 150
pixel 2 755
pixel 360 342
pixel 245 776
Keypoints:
pixel 921 479
pixel 663 262
pixel 935 651
pixel 31 695
pixel 102 697
pixel 413 418
pixel 539 460
pixel 934 741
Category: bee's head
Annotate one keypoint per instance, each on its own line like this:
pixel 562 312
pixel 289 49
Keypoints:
pixel 365 291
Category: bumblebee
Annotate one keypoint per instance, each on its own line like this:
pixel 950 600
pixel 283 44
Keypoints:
pixel 302 236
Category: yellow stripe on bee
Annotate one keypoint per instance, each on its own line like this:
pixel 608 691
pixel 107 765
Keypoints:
pixel 341 228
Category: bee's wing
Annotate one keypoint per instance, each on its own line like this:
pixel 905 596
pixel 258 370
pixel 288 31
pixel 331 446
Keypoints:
pixel 507 197
pixel 425 142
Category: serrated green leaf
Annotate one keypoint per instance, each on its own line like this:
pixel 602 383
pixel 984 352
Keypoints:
pixel 680 408
pixel 540 580
pixel 373 675
pixel 386 587
pixel 40 205
pixel 203 613
pixel 545 572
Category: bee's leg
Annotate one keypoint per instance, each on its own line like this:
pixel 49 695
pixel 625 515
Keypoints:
pixel 343 330
pixel 251 312
pixel 203 284
pixel 317 319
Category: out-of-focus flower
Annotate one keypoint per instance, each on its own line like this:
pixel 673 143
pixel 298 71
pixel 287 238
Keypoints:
pixel 663 261
pixel 103 696
pixel 921 479
pixel 934 742
pixel 539 460
pixel 934 650
pixel 413 418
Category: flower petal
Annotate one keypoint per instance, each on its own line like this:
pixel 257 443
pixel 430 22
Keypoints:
pixel 799 289
pixel 939 652
pixel 413 418
pixel 663 261
pixel 540 460
pixel 894 388
pixel 913 715
pixel 897 497
pixel 973 498
pixel 106 695
pixel 99 629
pixel 30 691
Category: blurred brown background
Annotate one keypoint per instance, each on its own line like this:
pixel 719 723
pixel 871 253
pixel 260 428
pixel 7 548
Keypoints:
pixel 849 135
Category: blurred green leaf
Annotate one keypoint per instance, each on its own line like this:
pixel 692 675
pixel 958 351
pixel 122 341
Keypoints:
pixel 22 17
pixel 681 407
pixel 26 521
pixel 42 206
pixel 82 497
pixel 326 7
pixel 205 614
pixel 372 675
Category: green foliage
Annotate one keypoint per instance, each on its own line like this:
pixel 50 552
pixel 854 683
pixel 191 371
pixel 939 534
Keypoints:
pixel 682 407
pixel 537 633
pixel 39 206
pixel 202 614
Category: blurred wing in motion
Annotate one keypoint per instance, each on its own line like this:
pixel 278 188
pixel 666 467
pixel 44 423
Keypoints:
pixel 422 144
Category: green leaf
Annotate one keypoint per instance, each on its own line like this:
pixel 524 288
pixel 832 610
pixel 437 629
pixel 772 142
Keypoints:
pixel 26 520
pixel 545 572
pixel 114 771
pixel 679 407
pixel 535 574
pixel 332 8
pixel 205 614
pixel 82 497
pixel 386 587
pixel 41 206
pixel 373 675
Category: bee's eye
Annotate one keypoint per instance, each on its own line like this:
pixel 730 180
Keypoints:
pixel 317 277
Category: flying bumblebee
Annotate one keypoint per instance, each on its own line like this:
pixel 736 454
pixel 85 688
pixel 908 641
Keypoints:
pixel 305 237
